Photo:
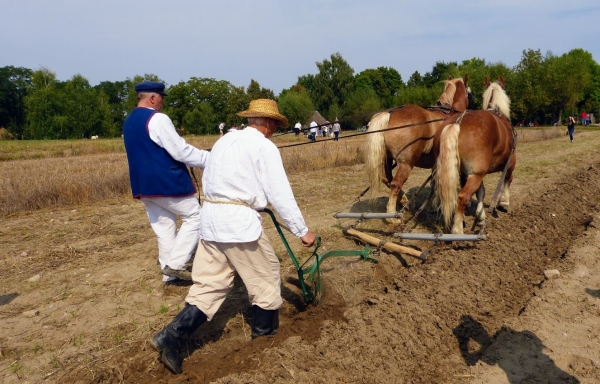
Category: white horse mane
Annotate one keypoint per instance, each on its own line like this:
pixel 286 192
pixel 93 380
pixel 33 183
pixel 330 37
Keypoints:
pixel 494 97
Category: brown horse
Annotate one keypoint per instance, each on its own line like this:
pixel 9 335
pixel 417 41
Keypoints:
pixel 474 144
pixel 410 146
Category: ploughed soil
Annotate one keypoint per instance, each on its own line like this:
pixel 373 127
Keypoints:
pixel 81 295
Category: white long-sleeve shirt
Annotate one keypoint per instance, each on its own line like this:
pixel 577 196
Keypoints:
pixel 246 167
pixel 162 132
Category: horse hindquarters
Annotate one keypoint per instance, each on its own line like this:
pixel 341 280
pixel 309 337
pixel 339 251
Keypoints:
pixel 447 175
pixel 376 151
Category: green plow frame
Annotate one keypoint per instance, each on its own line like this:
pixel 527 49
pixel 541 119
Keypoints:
pixel 312 273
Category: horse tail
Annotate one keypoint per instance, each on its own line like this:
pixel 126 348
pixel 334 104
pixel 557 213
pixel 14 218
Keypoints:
pixel 375 149
pixel 447 175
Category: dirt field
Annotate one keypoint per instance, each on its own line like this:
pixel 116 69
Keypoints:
pixel 81 294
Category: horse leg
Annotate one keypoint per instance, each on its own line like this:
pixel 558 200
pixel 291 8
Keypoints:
pixel 464 196
pixel 480 212
pixel 386 177
pixel 404 198
pixel 396 189
pixel 504 202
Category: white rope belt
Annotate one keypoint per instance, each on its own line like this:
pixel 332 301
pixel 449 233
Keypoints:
pixel 204 198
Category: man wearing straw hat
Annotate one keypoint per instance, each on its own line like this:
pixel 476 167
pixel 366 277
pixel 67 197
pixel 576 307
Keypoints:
pixel 243 174
pixel 157 158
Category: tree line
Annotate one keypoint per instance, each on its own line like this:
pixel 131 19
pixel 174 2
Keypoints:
pixel 544 88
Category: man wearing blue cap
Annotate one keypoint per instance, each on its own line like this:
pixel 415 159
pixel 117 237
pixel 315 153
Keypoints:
pixel 157 158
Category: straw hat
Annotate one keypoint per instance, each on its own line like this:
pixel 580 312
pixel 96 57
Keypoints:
pixel 264 108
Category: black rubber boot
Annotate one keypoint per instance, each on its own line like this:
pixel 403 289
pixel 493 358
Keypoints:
pixel 168 342
pixel 264 322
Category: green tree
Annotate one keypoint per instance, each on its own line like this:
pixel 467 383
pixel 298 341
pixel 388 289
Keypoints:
pixel 200 120
pixel 440 71
pixel 255 91
pixel 41 104
pixel 109 127
pixel 332 84
pixel 238 101
pixel 116 95
pixel 422 96
pixel 529 95
pixel 415 80
pixel 386 82
pixel 82 109
pixel 568 81
pixel 179 102
pixel 295 104
pixel 14 84
pixel 594 95
pixel 362 102
pixel 308 82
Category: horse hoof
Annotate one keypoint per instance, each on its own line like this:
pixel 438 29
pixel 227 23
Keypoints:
pixel 502 208
pixel 393 221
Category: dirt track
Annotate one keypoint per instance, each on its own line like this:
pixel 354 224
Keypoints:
pixel 479 312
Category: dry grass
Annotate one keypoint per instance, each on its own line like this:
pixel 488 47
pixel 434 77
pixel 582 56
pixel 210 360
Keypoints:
pixel 41 174
pixel 39 183
pixel 42 149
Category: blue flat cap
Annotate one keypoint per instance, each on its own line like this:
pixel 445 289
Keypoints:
pixel 151 86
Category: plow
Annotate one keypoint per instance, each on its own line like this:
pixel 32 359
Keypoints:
pixel 309 271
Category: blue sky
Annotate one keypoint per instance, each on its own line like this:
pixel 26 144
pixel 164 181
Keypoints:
pixel 274 42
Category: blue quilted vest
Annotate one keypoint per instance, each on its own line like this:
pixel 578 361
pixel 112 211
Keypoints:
pixel 152 171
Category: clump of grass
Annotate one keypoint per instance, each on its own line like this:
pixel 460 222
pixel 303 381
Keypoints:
pixel 78 341
pixel 163 309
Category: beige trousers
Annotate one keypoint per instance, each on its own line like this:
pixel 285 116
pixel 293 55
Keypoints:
pixel 216 264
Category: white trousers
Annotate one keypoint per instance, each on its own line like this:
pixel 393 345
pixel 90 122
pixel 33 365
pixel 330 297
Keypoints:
pixel 216 264
pixel 174 247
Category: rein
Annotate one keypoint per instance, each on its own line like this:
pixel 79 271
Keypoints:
pixel 364 133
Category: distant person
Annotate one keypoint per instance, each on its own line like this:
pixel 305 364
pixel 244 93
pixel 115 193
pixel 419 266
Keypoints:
pixel 297 129
pixel 221 128
pixel 313 131
pixel 243 175
pixel 336 130
pixel 584 118
pixel 157 158
pixel 571 127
